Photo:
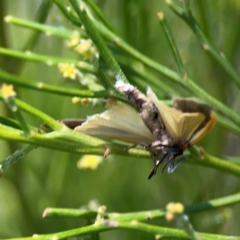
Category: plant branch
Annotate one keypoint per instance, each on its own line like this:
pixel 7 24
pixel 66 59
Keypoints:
pixel 208 160
pixel 100 15
pixel 41 16
pixel 49 30
pixel 106 225
pixel 172 43
pixel 219 58
pixel 210 205
pixel 98 41
pixel 44 87
pixel 49 60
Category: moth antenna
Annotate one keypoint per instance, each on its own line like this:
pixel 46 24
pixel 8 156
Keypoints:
pixel 131 146
pixel 156 164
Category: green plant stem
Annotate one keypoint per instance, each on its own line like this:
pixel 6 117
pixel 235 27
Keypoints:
pixel 98 41
pixel 63 131
pixel 41 17
pixel 133 225
pixel 183 219
pixel 172 43
pixel 40 86
pixel 10 122
pixel 105 81
pixel 112 91
pixel 65 139
pixel 186 4
pixel 66 34
pixel 72 18
pixel 100 15
pixel 151 79
pixel 227 124
pixel 3 40
pixel 65 212
pixel 52 123
pixel 49 30
pixel 213 204
pixel 71 141
pixel 192 23
pixel 61 32
pixel 156 230
pixel 15 157
pixel 57 140
pixel 137 55
pixel 49 60
pixel 10 101
pixel 22 121
pixel 214 162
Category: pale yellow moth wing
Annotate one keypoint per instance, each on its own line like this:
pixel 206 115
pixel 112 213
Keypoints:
pixel 198 119
pixel 202 132
pixel 120 122
pixel 179 125
pixel 166 113
pixel 188 123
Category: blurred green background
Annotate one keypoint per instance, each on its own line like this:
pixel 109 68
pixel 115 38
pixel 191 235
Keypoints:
pixel 48 178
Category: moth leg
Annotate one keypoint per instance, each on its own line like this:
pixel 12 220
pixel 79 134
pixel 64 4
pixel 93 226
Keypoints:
pixel 131 146
pixel 154 170
pixel 156 164
pixel 135 145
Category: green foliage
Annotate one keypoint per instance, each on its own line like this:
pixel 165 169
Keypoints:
pixel 174 58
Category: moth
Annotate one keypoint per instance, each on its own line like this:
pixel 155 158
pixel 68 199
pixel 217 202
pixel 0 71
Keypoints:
pixel 166 131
